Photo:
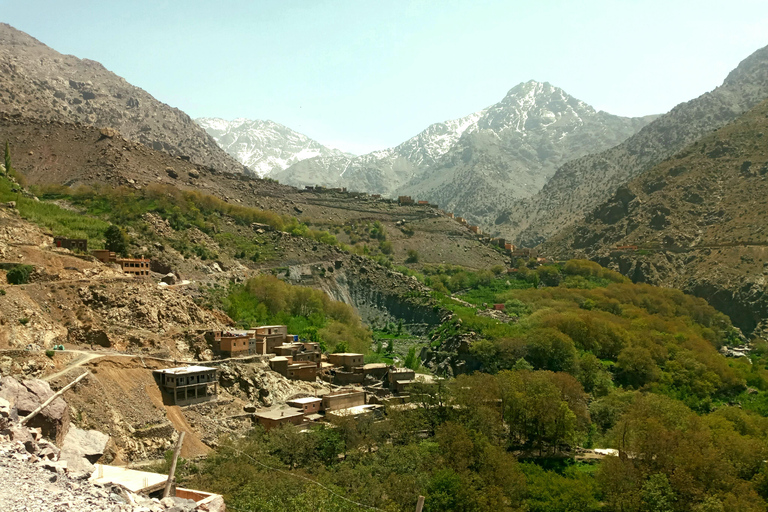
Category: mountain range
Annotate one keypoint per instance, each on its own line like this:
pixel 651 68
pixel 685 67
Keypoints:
pixel 265 147
pixel 581 184
pixel 473 165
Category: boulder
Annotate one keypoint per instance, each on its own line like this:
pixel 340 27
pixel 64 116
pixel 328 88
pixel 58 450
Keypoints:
pixel 27 396
pixel 82 448
pixel 108 133
pixel 169 278
pixel 170 172
pixel 193 174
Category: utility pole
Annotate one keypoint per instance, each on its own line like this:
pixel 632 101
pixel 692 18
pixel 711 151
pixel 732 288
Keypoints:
pixel 176 452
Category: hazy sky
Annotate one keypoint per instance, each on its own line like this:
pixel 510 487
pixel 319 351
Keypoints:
pixel 367 74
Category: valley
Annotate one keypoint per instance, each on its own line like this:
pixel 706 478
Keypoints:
pixel 536 307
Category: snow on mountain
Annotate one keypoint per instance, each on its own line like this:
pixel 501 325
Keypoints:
pixel 265 147
pixel 507 150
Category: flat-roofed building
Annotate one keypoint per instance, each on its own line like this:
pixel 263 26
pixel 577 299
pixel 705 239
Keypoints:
pixel 104 256
pixel 309 405
pixel 343 399
pixel 189 384
pixel 294 370
pixel 134 266
pixel 347 359
pixel 276 418
pixel 79 244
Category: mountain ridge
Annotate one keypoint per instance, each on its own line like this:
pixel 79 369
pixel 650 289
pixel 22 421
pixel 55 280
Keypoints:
pixel 40 83
pixel 580 185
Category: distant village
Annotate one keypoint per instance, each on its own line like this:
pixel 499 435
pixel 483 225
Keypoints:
pixel 361 388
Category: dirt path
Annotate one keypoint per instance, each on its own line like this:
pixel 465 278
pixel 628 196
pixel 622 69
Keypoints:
pixel 82 358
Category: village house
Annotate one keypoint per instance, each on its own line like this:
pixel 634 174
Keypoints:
pixel 475 229
pixel 233 344
pixel 104 256
pixel 347 360
pixel 509 247
pixel 343 399
pixel 79 244
pixel 294 370
pixel 277 418
pixel 309 405
pixel 399 379
pixel 189 384
pixel 404 200
pixel 462 220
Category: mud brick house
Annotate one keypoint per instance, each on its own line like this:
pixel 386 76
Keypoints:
pixel 400 378
pixel 189 384
pixel 233 344
pixel 104 255
pixel 80 244
pixel 294 370
pixel 274 419
pixel 475 229
pixel 343 399
pixel 272 336
pixel 404 200
pixel 347 360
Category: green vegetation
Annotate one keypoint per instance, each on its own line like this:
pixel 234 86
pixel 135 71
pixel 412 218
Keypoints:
pixel 24 321
pixel 19 274
pixel 116 240
pixel 7 160
pixel 308 312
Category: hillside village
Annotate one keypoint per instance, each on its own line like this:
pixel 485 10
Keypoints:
pixel 178 333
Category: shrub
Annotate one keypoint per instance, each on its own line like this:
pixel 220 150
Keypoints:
pixel 19 274
pixel 116 240
pixel 24 321
pixel 50 353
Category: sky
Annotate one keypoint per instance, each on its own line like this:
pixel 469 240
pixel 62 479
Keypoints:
pixel 362 75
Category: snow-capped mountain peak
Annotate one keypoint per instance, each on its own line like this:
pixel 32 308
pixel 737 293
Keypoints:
pixel 264 146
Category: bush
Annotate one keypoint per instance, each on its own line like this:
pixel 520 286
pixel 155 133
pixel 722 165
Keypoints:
pixel 50 353
pixel 413 256
pixel 19 274
pixel 24 321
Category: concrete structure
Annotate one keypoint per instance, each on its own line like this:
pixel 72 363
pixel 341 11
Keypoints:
pixel 404 200
pixel 343 399
pixel 134 266
pixel 309 405
pixel 138 482
pixel 80 244
pixel 189 384
pixel 277 418
pixel 509 247
pixel 347 360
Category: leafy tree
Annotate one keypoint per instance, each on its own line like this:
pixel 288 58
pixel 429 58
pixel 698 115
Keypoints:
pixel 116 240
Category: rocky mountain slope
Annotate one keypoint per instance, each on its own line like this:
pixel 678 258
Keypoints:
pixel 265 147
pixel 698 219
pixel 468 165
pixel 40 83
pixel 580 185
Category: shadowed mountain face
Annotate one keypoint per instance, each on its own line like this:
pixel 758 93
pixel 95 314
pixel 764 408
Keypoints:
pixel 699 221
pixel 476 164
pixel 39 83
pixel 265 147
pixel 580 185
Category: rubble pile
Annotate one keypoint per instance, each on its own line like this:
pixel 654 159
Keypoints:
pixel 38 475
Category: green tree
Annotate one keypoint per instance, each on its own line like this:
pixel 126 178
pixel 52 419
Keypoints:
pixel 19 274
pixel 116 240
pixel 413 256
